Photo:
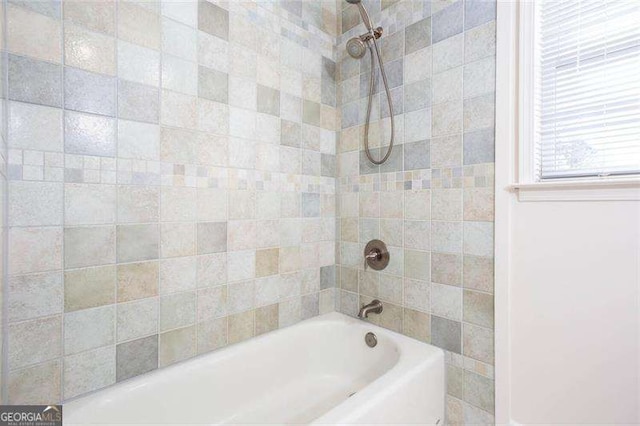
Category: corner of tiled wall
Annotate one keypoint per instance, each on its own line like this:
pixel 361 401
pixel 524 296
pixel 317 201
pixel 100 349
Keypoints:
pixel 432 201
pixel 3 205
pixel 178 191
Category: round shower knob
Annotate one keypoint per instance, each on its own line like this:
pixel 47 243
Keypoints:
pixel 376 255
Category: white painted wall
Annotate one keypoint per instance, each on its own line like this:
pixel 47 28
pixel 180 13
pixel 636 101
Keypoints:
pixel 567 285
pixel 574 312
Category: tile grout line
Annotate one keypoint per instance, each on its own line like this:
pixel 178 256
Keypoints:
pixel 159 19
pixel 4 315
pixel 64 163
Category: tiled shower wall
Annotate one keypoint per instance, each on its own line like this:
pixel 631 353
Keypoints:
pixel 171 182
pixel 432 202
pixel 178 194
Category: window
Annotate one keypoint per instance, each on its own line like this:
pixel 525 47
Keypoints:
pixel 581 88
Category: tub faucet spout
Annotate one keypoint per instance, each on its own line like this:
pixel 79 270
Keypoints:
pixel 375 307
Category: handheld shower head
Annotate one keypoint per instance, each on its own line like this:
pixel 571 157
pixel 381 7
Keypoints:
pixel 363 13
pixel 356 48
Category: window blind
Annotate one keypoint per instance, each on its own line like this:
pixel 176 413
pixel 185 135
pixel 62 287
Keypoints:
pixel 587 97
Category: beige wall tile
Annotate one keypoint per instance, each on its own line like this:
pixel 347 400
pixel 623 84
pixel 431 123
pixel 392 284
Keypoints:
pixel 89 246
pixel 478 273
pixel 36 295
pixel 32 34
pixel 417 295
pixel 417 325
pixel 89 50
pixel 392 317
pixel 446 204
pixel 447 118
pixel 211 269
pixel 241 326
pixel 478 204
pixel 369 204
pixel 212 334
pixel 211 204
pixel 446 237
pixel 417 234
pixel 138 242
pixel 390 288
pixel 89 204
pixel 213 236
pixel 417 264
pixel 241 265
pixel 89 329
pixel 137 281
pixel 177 274
pixel 26 345
pixel 138 25
pixel 177 239
pixel 177 345
pixel 478 308
pixel 212 302
pixel 417 205
pixel 137 319
pixel 446 301
pixel 328 301
pixel 240 296
pixel 391 232
pixel 479 391
pixel 455 411
pixel 242 204
pixel 35 249
pixel 177 204
pixel 290 259
pixel 177 310
pixel 478 343
pixel 349 229
pixel 454 380
pixel 393 205
pixel 446 151
pixel 47 136
pixel 479 112
pixel 36 385
pixel 138 204
pixel 88 371
pixel 478 238
pixel 266 319
pixel 178 110
pixel 28 199
pixel 446 268
pixel 96 16
pixel 267 262
pixel 178 145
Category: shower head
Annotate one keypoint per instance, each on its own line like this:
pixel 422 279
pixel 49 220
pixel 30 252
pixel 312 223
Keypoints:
pixel 363 14
pixel 356 48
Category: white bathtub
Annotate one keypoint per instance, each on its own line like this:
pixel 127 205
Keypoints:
pixel 319 371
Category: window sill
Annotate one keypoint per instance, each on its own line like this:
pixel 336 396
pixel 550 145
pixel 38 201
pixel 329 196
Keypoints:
pixel 610 189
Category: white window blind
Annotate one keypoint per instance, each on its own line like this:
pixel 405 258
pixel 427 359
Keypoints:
pixel 587 95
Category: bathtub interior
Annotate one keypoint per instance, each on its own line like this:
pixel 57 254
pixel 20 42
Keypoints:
pixel 289 376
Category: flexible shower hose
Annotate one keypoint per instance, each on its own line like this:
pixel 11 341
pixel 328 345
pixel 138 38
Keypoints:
pixel 386 88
